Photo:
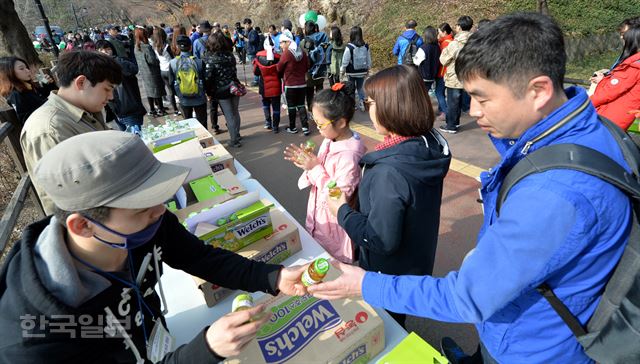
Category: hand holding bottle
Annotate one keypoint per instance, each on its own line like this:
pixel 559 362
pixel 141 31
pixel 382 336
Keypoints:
pixel 300 157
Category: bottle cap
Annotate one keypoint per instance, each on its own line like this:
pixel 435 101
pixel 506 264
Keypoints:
pixel 221 221
pixel 310 144
pixel 331 184
pixel 321 265
pixel 233 217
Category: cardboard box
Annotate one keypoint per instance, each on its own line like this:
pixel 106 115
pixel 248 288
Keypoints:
pixel 309 330
pixel 187 154
pixel 225 179
pixel 275 248
pixel 202 134
pixel 219 158
pixel 206 188
pixel 204 137
pixel 251 223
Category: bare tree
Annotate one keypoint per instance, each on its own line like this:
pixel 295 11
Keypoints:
pixel 14 38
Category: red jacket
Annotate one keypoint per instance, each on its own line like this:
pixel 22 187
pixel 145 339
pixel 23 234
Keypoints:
pixel 619 92
pixel 294 72
pixel 270 85
pixel 443 43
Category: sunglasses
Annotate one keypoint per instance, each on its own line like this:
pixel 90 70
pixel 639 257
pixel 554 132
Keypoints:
pixel 368 103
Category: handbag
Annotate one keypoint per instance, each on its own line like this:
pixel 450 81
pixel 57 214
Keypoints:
pixel 237 89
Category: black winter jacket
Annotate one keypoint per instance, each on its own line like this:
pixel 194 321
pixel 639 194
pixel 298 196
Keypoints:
pixel 28 101
pixel 22 294
pixel 429 67
pixel 126 96
pixel 220 72
pixel 396 227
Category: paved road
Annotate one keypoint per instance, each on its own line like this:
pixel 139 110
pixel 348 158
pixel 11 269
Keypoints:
pixel 461 215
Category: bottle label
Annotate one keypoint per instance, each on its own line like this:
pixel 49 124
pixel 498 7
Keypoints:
pixel 307 280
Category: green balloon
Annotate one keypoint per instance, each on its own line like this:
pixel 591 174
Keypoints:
pixel 311 15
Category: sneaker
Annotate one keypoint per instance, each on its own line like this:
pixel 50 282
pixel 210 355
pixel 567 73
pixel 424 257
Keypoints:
pixel 177 113
pixel 446 129
pixel 267 126
pixel 218 131
pixel 361 105
pixel 234 145
pixel 451 350
pixel 276 130
pixel 441 117
pixel 306 131
pixel 292 131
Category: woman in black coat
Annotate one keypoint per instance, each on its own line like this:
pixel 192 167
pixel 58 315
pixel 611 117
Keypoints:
pixel 395 225
pixel 18 87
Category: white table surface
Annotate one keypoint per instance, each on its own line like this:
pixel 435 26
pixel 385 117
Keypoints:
pixel 188 313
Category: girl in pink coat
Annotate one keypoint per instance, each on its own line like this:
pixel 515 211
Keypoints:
pixel 337 160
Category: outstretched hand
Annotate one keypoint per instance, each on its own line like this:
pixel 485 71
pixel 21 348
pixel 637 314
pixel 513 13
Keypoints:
pixel 349 284
pixel 289 280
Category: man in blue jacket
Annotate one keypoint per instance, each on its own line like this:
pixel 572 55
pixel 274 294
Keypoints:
pixel 253 44
pixel 404 40
pixel 562 227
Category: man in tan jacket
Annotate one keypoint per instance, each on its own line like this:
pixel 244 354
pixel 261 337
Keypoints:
pixel 86 81
pixel 454 86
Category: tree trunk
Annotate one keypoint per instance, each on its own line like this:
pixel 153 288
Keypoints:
pixel 543 7
pixel 14 38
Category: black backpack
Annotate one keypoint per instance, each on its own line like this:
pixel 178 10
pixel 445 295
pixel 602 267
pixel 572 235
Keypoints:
pixel 412 49
pixel 612 334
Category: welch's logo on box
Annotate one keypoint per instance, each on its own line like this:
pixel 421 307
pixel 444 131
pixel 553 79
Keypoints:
pixel 244 230
pixel 293 325
pixel 275 252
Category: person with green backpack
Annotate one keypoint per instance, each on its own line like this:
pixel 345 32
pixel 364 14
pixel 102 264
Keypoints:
pixel 187 77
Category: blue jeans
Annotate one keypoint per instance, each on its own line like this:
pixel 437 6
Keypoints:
pixel 268 104
pixel 250 58
pixel 126 121
pixel 359 82
pixel 232 116
pixel 442 100
pixel 454 107
pixel 466 101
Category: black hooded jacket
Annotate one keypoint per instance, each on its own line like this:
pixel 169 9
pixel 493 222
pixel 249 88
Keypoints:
pixel 396 227
pixel 31 313
pixel 126 96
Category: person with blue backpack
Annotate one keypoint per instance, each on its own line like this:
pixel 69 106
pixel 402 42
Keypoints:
pixel 553 236
pixel 187 77
pixel 356 62
pixel 407 43
pixel 317 47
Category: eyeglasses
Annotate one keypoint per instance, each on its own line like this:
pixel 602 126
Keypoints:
pixel 324 125
pixel 368 103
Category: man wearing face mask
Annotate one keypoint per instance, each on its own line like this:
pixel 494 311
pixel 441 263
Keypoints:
pixel 79 285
